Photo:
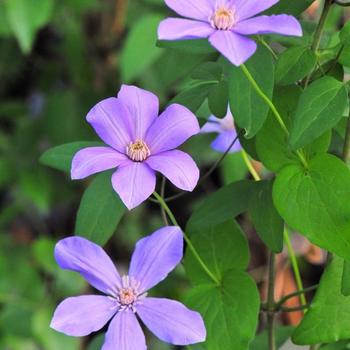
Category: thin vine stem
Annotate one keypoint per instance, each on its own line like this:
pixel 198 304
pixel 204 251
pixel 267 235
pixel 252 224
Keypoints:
pixel 271 302
pixel 187 239
pixel 273 109
pixel 208 173
pixel 295 294
pixel 295 266
pixel 291 253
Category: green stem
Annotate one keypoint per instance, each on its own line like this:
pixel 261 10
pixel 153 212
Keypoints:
pixel 295 266
pixel 295 294
pixel 346 148
pixel 271 303
pixel 273 109
pixel 294 309
pixel 250 167
pixel 320 27
pixel 187 239
pixel 291 253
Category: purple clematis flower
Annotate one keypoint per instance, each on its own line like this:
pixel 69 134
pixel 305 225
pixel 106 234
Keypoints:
pixel 226 23
pixel 140 143
pixel 126 297
pixel 225 127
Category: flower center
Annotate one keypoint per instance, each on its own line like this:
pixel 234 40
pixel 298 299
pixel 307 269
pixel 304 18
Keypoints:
pixel 138 151
pixel 223 19
pixel 128 294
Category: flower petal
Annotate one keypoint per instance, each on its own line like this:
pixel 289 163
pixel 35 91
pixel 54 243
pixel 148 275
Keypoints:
pixel 173 127
pixel 196 9
pixel 279 24
pixel 236 48
pixel 249 8
pixel 179 28
pixel 156 255
pixel 178 167
pixel 112 123
pixel 124 333
pixel 80 316
pixel 134 182
pixel 171 321
pixel 212 125
pixel 224 140
pixel 143 107
pixel 93 160
pixel 90 260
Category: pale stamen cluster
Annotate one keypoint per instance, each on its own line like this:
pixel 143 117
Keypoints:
pixel 138 151
pixel 223 18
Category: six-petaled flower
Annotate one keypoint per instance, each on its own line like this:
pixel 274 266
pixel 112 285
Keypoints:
pixel 139 144
pixel 225 127
pixel 226 23
pixel 126 297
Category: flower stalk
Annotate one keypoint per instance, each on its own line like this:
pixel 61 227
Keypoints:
pixel 162 202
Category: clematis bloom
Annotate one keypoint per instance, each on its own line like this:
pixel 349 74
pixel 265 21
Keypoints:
pixel 126 297
pixel 139 144
pixel 226 23
pixel 225 127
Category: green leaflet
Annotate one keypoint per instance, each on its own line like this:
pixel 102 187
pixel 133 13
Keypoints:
pixel 100 210
pixel 328 318
pixel 320 108
pixel 249 109
pixel 315 202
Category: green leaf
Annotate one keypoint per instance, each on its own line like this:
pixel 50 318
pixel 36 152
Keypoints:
pixel 60 157
pixel 344 34
pixel 208 71
pixel 193 97
pixel 197 46
pixel 26 17
pixel 315 202
pixel 328 318
pixel 266 220
pixel 345 283
pixel 249 109
pixel 223 247
pixel 230 311
pixel 272 143
pixel 320 108
pixel 294 64
pixel 218 99
pixel 100 210
pixel 140 51
pixel 223 205
pixel 295 7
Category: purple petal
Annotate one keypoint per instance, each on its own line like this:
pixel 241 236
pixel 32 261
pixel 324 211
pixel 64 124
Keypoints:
pixel 90 260
pixel 212 125
pixel 196 9
pixel 173 127
pixel 178 28
pixel 124 333
pixel 93 160
pixel 143 107
pixel 249 8
pixel 156 255
pixel 112 122
pixel 80 316
pixel 171 321
pixel 279 24
pixel 236 48
pixel 178 167
pixel 224 140
pixel 134 183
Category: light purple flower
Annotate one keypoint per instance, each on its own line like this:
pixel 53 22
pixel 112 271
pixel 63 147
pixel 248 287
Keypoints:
pixel 225 127
pixel 226 23
pixel 126 297
pixel 140 143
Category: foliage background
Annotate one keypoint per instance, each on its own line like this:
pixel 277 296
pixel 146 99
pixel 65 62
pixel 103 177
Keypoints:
pixel 57 59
